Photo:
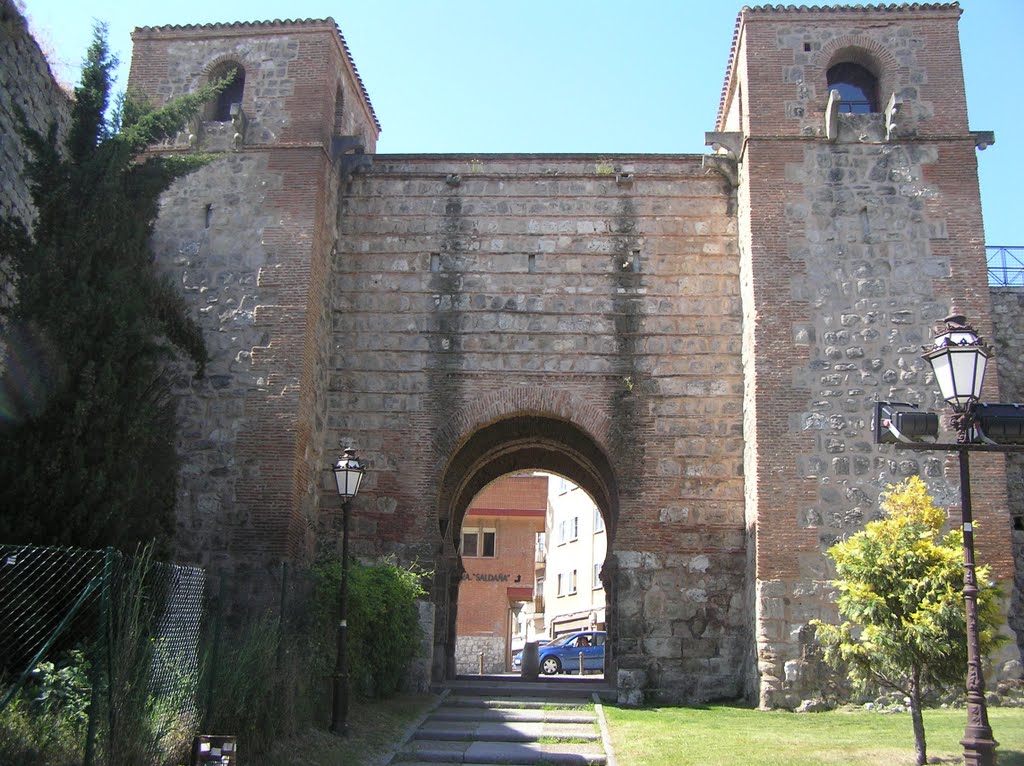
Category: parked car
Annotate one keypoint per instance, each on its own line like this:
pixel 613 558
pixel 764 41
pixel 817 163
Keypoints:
pixel 563 654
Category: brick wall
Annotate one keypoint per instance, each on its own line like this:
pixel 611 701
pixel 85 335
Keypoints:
pixel 516 514
pixel 488 317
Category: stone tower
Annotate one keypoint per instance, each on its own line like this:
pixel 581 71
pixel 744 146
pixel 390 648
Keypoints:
pixel 696 340
pixel 859 227
pixel 250 238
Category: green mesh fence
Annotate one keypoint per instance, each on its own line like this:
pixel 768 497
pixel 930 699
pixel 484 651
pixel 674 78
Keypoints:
pixel 176 659
pixel 102 645
pixel 47 597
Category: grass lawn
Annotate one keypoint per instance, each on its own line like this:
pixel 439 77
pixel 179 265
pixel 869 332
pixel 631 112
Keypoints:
pixel 733 736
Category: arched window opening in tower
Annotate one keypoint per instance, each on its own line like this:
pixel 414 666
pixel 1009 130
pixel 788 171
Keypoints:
pixel 232 94
pixel 858 88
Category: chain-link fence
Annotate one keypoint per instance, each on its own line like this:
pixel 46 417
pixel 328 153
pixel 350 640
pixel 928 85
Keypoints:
pixel 110 660
pixel 99 655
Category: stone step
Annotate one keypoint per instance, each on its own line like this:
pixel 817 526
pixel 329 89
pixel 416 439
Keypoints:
pixel 528 754
pixel 542 688
pixel 490 715
pixel 516 731
pixel 434 763
pixel 525 730
pixel 524 703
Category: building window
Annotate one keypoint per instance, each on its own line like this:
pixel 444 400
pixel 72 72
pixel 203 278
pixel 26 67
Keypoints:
pixel 568 530
pixel 597 577
pixel 478 543
pixel 232 94
pixel 858 88
pixel 566 583
pixel 598 520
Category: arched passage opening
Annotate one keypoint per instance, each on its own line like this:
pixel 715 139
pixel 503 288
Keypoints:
pixel 533 545
pixel 515 445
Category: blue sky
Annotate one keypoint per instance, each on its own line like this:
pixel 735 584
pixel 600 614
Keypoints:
pixel 564 75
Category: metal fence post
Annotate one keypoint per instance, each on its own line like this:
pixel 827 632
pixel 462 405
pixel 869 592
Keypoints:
pixel 279 653
pixel 101 652
pixel 214 654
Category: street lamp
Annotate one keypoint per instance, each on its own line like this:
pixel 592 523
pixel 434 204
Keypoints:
pixel 959 358
pixel 348 473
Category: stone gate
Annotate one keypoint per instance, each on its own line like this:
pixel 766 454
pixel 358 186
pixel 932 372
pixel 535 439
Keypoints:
pixel 696 340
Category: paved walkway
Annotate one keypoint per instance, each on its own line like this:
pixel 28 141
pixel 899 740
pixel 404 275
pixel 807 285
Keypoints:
pixel 495 721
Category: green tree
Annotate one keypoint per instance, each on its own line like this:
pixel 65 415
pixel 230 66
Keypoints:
pixel 899 584
pixel 87 426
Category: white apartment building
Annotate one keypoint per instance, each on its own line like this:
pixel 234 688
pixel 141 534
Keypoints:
pixel 576 544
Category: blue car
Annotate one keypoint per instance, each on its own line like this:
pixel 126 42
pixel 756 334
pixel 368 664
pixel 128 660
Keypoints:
pixel 563 654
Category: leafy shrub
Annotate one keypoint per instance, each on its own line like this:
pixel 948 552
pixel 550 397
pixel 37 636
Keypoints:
pixel 62 689
pixel 899 583
pixel 47 719
pixel 29 735
pixel 133 713
pixel 383 622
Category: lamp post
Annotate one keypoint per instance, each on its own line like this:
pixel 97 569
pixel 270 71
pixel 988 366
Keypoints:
pixel 959 358
pixel 348 473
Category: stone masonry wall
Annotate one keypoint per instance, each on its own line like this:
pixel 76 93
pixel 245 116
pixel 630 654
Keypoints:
pixel 1008 340
pixel 26 84
pixel 218 266
pixel 870 268
pixel 588 289
pixel 469 648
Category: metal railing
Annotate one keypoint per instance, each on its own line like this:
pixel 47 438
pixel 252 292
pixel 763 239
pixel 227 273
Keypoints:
pixel 1005 265
pixel 856 107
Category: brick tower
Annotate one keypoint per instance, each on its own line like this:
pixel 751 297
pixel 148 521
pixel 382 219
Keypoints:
pixel 859 227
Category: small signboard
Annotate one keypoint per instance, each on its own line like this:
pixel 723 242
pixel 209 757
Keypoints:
pixel 214 749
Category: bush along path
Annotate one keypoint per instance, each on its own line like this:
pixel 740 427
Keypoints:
pixel 472 726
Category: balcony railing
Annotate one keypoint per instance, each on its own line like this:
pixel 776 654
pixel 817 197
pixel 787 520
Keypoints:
pixel 1005 266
